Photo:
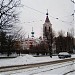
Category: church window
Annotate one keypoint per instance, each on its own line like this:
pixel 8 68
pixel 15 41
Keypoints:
pixel 45 29
pixel 49 28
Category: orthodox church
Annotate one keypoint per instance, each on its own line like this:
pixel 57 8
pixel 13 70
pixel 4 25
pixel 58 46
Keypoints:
pixel 47 27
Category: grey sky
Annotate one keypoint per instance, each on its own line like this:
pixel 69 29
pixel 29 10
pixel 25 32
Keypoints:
pixel 61 9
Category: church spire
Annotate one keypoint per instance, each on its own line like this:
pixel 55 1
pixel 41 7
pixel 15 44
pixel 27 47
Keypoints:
pixel 47 12
pixel 32 32
pixel 47 19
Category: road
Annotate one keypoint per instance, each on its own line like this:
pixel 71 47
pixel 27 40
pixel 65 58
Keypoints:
pixel 28 66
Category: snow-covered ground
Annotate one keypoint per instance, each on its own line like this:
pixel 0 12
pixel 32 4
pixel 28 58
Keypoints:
pixel 26 59
pixel 56 69
pixel 43 70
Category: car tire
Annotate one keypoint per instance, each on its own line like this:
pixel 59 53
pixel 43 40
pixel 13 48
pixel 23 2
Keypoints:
pixel 60 57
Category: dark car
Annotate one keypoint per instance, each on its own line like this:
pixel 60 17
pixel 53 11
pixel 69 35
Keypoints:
pixel 64 55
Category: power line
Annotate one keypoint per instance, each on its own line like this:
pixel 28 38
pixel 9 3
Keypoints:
pixel 49 15
pixel 34 9
pixel 42 20
pixel 33 21
pixel 73 1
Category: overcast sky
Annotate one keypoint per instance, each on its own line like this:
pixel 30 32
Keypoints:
pixel 33 14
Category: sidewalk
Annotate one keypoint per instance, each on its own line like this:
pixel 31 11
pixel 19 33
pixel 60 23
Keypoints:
pixel 4 56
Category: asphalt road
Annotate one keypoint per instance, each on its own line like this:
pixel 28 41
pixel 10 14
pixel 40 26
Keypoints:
pixel 26 66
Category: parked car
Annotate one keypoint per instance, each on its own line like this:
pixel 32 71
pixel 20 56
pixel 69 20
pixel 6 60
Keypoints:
pixel 64 55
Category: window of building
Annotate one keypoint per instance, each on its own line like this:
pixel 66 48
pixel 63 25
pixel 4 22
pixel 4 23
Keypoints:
pixel 45 29
pixel 49 28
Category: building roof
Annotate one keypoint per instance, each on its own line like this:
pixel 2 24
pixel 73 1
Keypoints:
pixel 47 19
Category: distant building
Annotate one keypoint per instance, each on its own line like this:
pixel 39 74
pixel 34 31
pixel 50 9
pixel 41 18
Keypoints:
pixel 28 42
pixel 47 27
pixel 17 44
pixel 47 34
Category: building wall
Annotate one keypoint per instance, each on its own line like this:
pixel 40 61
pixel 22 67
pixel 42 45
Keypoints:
pixel 28 42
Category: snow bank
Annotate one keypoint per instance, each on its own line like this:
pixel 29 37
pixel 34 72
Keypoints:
pixel 27 59
pixel 20 60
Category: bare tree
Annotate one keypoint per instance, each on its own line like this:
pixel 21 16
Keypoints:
pixel 60 42
pixel 64 43
pixel 61 33
pixel 49 40
pixel 8 16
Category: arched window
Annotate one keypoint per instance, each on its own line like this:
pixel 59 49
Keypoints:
pixel 45 29
pixel 49 28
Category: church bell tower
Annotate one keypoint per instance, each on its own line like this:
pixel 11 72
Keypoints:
pixel 47 26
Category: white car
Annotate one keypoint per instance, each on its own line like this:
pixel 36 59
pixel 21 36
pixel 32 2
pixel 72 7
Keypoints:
pixel 64 55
